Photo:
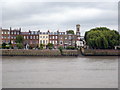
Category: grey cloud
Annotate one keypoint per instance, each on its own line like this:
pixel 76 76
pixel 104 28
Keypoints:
pixel 55 15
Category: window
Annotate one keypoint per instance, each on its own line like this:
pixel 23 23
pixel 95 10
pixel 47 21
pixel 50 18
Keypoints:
pixel 24 37
pixel 40 41
pixel 5 32
pixel 69 42
pixel 11 32
pixel 30 37
pixel 55 33
pixel 61 42
pixel 46 36
pixel 70 37
pixel 56 37
pixel 14 32
pixel 78 33
pixel 34 37
pixel 32 32
pixel 53 42
pixel 65 37
pixel 8 32
pixel 46 41
pixel 17 32
pixel 35 32
pixel 56 42
pixel 43 36
pixel 43 41
pixel 2 32
pixel 27 37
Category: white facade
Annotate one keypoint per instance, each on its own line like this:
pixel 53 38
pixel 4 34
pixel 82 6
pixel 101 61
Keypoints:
pixel 79 43
pixel 43 39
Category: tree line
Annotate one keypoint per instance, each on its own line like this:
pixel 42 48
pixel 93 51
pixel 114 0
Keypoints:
pixel 102 38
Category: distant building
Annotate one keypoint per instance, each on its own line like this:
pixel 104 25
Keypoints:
pixel 53 38
pixel 35 38
pixel 43 38
pixel 5 36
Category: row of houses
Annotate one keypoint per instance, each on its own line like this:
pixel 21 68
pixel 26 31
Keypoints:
pixel 35 38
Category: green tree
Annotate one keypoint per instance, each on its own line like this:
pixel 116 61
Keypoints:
pixel 70 32
pixel 60 48
pixel 50 45
pixel 4 45
pixel 20 45
pixel 70 47
pixel 102 38
pixel 19 39
pixel 10 45
pixel 41 46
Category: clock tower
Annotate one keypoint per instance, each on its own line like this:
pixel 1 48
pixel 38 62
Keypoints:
pixel 78 30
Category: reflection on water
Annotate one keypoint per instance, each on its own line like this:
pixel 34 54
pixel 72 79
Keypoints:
pixel 64 72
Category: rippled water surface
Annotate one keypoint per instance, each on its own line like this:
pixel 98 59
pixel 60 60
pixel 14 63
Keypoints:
pixel 60 72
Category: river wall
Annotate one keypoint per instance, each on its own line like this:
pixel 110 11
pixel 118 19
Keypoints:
pixel 82 52
pixel 100 52
pixel 21 52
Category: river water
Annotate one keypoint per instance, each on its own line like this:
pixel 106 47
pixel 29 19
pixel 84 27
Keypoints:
pixel 60 72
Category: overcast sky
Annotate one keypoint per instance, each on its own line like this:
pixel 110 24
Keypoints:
pixel 61 16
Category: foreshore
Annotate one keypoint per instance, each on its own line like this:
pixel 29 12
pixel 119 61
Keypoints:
pixel 58 53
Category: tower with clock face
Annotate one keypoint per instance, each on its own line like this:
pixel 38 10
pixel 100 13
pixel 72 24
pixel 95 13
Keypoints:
pixel 78 31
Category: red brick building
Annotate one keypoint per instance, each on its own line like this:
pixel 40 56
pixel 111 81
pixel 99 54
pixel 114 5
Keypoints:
pixel 5 35
pixel 13 34
pixel 53 38
pixel 32 38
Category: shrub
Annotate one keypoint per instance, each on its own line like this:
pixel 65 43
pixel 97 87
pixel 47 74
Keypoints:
pixel 50 45
pixel 20 46
pixel 7 46
pixel 60 48
pixel 4 45
pixel 41 46
pixel 70 48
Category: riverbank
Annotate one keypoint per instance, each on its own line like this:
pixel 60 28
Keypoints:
pixel 100 52
pixel 58 53
pixel 22 52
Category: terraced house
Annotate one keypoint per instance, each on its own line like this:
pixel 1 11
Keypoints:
pixel 35 38
pixel 53 38
pixel 43 38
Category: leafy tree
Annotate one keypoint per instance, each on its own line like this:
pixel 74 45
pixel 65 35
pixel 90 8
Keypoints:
pixel 60 48
pixel 19 39
pixel 41 46
pixel 7 46
pixel 102 38
pixel 4 45
pixel 50 45
pixel 20 45
pixel 70 32
pixel 10 44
